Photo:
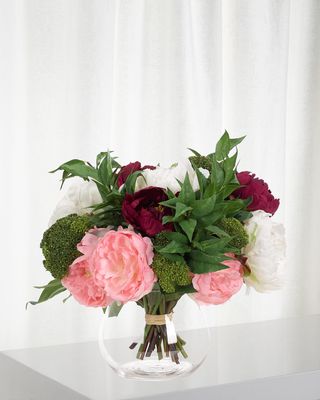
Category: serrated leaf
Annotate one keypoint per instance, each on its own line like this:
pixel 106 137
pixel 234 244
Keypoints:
pixel 188 226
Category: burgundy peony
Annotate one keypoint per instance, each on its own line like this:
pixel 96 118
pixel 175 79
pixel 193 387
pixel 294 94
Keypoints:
pixel 126 170
pixel 143 212
pixel 258 190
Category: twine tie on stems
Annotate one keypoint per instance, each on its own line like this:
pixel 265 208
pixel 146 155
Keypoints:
pixel 158 319
pixel 164 319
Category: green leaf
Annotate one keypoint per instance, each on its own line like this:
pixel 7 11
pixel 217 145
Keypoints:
pixel 195 152
pixel 175 247
pixel 102 155
pixel 105 170
pixel 210 190
pixel 202 181
pixel 243 215
pixel 188 226
pixel 203 207
pixel 181 209
pixel 223 147
pixel 214 245
pixel 77 168
pixel 234 142
pixel 186 194
pixel 114 309
pixel 217 174
pixel 201 263
pixel 167 218
pixel 130 183
pixel 66 298
pixel 180 291
pixel 171 203
pixel 52 289
pixel 228 167
pixel 176 236
pixel 217 231
pixel 230 188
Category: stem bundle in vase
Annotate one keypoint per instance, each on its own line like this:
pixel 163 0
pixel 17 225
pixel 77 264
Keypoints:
pixel 155 338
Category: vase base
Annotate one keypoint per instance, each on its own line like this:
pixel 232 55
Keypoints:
pixel 155 370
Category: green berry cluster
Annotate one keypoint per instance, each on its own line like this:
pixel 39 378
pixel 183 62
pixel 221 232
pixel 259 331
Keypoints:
pixel 171 274
pixel 201 162
pixel 59 243
pixel 234 227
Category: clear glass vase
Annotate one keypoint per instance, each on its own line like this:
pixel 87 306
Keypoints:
pixel 160 337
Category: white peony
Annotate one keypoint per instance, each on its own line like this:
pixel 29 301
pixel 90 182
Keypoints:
pixel 78 198
pixel 265 252
pixel 167 178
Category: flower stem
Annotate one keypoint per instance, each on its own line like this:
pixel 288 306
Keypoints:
pixel 155 336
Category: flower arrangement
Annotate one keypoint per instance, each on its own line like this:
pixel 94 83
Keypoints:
pixel 150 234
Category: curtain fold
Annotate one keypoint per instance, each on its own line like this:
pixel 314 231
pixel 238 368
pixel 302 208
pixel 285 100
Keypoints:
pixel 149 78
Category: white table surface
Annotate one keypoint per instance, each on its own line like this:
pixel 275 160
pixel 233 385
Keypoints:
pixel 264 360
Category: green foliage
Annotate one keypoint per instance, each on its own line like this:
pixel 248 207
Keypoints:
pixel 104 175
pixel 199 239
pixel 59 243
pixel 171 274
pixel 234 228
pixel 50 290
pixel 114 309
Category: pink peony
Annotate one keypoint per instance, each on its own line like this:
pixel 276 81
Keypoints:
pixel 90 240
pixel 217 287
pixel 79 280
pixel 258 190
pixel 120 264
pixel 82 286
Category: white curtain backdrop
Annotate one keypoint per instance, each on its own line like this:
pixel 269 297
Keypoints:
pixel 149 78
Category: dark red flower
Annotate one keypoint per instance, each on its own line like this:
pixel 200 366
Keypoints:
pixel 143 211
pixel 126 170
pixel 258 190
